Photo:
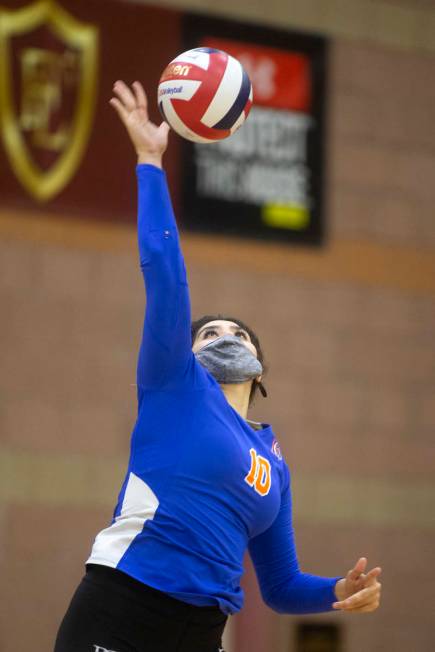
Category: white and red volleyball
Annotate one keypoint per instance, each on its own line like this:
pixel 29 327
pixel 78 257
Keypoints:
pixel 205 95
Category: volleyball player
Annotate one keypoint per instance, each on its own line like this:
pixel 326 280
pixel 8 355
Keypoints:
pixel 203 483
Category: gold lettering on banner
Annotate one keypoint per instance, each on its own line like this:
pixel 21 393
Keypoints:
pixel 42 75
pixel 45 76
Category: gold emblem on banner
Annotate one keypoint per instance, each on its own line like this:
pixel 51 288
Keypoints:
pixel 29 125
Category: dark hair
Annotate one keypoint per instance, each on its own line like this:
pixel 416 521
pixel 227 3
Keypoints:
pixel 202 321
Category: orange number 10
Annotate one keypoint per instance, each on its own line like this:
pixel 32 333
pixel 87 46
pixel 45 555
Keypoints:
pixel 259 475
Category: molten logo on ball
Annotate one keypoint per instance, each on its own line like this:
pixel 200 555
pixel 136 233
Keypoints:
pixel 215 97
pixel 175 69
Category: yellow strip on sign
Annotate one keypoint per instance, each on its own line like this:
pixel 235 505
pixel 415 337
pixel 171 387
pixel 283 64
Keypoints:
pixel 286 216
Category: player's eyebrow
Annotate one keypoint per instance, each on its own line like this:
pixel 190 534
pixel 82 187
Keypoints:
pixel 239 328
pixel 206 327
pixel 234 327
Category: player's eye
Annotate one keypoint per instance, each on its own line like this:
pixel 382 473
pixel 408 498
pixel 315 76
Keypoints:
pixel 242 334
pixel 210 332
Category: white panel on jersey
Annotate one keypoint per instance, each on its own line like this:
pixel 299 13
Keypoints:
pixel 139 505
pixel 200 59
pixel 178 125
pixel 226 94
pixel 180 89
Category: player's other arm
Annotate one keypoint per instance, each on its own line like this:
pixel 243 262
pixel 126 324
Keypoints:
pixel 288 590
pixel 166 347
pixel 283 586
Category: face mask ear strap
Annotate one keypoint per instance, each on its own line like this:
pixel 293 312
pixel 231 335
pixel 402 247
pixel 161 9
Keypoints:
pixel 262 389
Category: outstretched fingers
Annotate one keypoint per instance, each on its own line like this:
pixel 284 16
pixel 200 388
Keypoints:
pixel 149 140
pixel 119 108
pixel 125 95
pixel 364 605
pixel 372 576
pixel 358 569
pixel 366 599
pixel 141 98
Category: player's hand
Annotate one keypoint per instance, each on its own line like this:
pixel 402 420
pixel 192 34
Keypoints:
pixel 149 140
pixel 358 592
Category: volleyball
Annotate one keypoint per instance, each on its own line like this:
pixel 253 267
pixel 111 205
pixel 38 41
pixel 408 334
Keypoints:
pixel 204 94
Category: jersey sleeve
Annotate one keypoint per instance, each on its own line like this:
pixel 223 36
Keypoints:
pixel 165 352
pixel 283 586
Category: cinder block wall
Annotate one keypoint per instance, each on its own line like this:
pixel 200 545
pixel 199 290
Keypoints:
pixel 348 333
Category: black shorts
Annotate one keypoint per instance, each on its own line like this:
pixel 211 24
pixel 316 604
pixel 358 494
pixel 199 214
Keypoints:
pixel 112 612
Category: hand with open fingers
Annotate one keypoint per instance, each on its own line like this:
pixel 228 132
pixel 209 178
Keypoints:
pixel 149 140
pixel 359 592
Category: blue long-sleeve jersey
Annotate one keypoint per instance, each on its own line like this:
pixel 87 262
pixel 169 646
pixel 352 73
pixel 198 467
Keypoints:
pixel 202 485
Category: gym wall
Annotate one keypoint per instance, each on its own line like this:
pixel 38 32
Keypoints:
pixel 347 329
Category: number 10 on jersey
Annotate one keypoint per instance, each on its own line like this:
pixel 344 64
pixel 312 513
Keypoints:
pixel 259 476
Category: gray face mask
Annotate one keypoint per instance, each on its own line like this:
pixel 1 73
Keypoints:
pixel 229 360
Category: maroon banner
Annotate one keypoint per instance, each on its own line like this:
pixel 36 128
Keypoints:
pixel 64 149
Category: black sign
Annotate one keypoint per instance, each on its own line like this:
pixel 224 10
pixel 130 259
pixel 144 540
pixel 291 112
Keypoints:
pixel 266 180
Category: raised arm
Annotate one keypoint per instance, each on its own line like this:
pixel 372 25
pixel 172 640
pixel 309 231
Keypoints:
pixel 165 350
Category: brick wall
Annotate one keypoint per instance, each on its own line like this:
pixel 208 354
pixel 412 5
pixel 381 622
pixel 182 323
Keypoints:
pixel 383 143
pixel 349 345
